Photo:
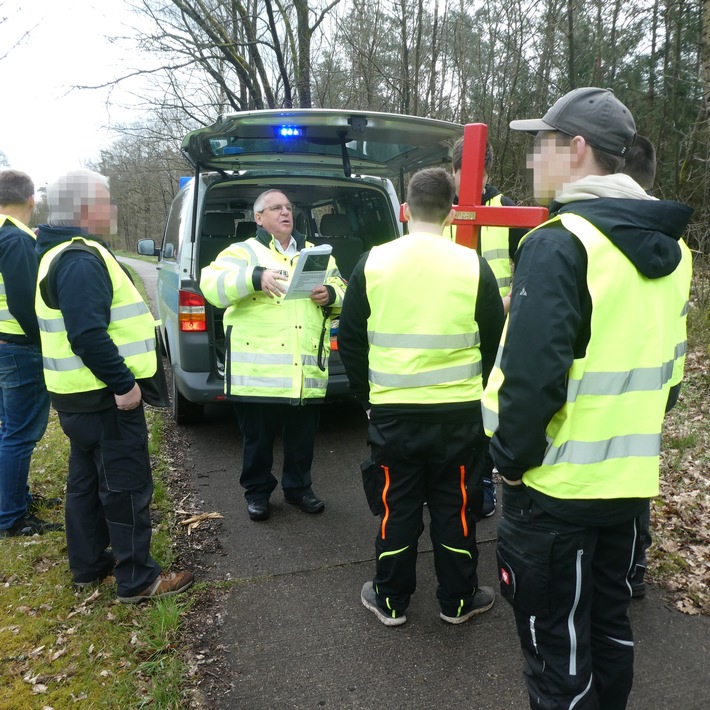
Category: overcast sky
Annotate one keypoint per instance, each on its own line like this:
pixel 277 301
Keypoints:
pixel 46 127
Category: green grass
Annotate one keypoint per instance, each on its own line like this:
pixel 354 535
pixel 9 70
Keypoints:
pixel 135 255
pixel 60 647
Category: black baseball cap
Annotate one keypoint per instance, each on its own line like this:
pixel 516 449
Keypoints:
pixel 593 113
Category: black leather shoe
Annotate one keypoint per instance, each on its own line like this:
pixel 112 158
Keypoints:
pixel 30 525
pixel 258 509
pixel 308 503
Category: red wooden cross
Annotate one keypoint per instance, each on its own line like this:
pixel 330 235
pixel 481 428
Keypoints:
pixel 471 215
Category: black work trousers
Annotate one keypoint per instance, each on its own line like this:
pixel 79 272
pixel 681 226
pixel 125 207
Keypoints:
pixel 644 539
pixel 109 489
pixel 440 463
pixel 260 424
pixel 569 590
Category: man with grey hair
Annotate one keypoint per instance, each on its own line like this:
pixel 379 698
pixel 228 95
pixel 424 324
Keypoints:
pixel 24 402
pixel 275 372
pixel 98 345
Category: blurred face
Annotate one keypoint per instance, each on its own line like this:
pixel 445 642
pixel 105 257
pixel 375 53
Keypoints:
pixel 276 217
pixel 99 218
pixel 551 163
pixel 457 181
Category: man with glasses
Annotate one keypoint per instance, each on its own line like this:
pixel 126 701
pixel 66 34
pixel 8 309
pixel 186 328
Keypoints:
pixel 594 343
pixel 273 345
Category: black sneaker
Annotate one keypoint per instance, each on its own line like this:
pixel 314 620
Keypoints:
pixel 369 601
pixel 40 502
pixel 489 498
pixel 30 525
pixel 483 600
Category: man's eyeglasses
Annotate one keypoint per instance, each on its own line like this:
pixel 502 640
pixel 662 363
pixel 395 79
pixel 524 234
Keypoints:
pixel 277 208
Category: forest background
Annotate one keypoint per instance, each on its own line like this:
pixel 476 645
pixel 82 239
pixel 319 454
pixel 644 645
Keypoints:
pixel 457 60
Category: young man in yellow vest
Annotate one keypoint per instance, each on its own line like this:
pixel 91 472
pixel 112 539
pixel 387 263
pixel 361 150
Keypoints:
pixel 594 344
pixel 98 345
pixel 24 402
pixel 497 246
pixel 418 334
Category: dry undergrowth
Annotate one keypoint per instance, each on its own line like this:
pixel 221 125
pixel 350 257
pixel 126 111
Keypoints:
pixel 679 559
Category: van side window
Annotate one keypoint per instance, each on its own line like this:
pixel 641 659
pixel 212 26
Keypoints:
pixel 171 238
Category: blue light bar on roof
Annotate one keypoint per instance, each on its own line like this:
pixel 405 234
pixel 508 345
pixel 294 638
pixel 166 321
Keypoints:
pixel 290 132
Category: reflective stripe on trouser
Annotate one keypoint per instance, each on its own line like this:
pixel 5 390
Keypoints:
pixel 439 463
pixel 571 602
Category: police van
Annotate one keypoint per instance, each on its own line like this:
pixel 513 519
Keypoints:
pixel 338 168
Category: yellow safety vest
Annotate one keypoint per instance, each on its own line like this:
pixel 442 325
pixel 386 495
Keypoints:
pixel 605 440
pixel 131 328
pixel 495 249
pixel 423 336
pixel 273 343
pixel 8 324
pixel 686 275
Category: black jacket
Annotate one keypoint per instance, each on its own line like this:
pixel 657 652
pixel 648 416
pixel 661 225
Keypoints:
pixel 18 264
pixel 550 315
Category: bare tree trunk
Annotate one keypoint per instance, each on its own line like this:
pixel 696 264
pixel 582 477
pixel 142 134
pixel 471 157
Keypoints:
pixel 303 67
pixel 418 58
pixel 612 42
pixel 288 95
pixel 570 45
pixel 699 137
pixel 404 66
pixel 431 97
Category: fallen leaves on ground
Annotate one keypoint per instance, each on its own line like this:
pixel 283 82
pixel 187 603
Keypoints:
pixel 679 558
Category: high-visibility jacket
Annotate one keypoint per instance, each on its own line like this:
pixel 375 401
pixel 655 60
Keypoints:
pixel 272 343
pixel 686 275
pixel 605 440
pixel 424 339
pixel 131 328
pixel 495 248
pixel 9 324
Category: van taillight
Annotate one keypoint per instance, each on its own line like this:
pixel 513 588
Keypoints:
pixel 334 327
pixel 192 316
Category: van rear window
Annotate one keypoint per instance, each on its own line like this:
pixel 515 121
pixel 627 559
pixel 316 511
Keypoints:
pixel 378 152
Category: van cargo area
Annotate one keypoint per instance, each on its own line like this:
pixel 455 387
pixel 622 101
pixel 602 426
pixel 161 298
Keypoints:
pixel 337 168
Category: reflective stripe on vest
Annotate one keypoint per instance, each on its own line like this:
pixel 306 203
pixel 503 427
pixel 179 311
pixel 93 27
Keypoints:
pixel 272 343
pixel 605 441
pixel 8 323
pixel 685 269
pixel 423 336
pixel 495 249
pixel 131 328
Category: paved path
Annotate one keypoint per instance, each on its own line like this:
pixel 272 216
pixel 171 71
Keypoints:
pixel 296 635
